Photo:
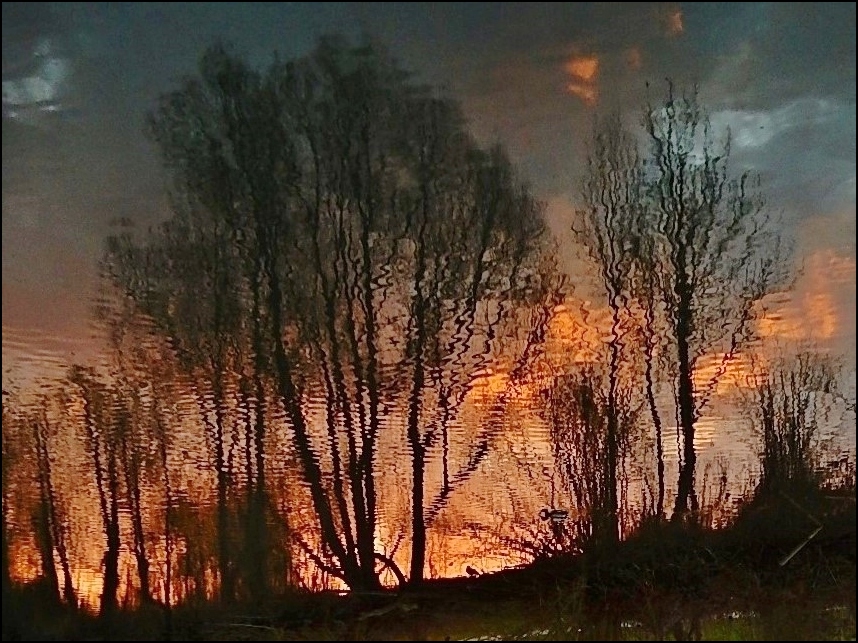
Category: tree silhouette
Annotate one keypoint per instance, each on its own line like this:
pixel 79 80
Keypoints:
pixel 103 421
pixel 789 400
pixel 337 237
pixel 605 225
pixel 683 247
pixel 715 251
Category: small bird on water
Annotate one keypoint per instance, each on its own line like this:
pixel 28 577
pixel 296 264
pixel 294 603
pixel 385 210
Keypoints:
pixel 554 515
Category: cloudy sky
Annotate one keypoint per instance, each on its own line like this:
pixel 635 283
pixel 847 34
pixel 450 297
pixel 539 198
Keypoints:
pixel 78 79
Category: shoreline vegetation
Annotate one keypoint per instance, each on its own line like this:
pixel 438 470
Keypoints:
pixel 760 578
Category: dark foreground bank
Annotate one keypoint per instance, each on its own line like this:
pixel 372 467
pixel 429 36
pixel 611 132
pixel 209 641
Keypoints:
pixel 759 579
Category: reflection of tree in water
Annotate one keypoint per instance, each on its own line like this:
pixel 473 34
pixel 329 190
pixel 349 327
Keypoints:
pixel 340 322
pixel 556 519
pixel 575 408
pixel 683 248
pixel 50 515
pixel 359 258
pixel 788 404
pixel 104 422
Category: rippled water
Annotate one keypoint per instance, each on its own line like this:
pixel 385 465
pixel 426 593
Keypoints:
pixel 146 448
pixel 348 341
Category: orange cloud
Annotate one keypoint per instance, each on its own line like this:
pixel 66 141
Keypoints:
pixel 589 95
pixel 584 68
pixel 674 23
pixel 583 72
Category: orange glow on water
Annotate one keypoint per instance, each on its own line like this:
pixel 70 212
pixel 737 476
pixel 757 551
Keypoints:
pixel 718 373
pixel 462 535
pixel 814 311
pixel 583 72
pixel 488 385
pixel 583 68
pixel 572 333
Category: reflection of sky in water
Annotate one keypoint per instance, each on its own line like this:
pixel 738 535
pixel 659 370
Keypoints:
pixel 38 84
pixel 781 85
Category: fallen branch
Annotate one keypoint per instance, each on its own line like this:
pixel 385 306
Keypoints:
pixel 251 625
pixel 789 556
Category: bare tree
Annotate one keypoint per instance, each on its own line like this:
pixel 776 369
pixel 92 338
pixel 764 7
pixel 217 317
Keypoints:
pixel 49 521
pixel 116 315
pixel 684 251
pixel 788 402
pixel 332 198
pixel 605 225
pixel 102 413
pixel 714 252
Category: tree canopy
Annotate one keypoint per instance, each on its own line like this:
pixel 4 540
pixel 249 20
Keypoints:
pixel 338 235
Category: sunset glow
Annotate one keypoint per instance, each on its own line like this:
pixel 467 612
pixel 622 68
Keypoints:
pixel 584 73
pixel 305 302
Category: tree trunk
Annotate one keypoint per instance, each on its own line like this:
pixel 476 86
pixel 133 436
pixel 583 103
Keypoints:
pixel 685 496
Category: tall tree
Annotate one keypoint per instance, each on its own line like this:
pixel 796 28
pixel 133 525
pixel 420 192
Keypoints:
pixel 684 248
pixel 605 225
pixel 335 199
pixel 715 252
pixel 116 315
pixel 103 417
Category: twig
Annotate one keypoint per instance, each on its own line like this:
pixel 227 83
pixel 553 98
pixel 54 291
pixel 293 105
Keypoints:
pixel 789 556
pixel 251 625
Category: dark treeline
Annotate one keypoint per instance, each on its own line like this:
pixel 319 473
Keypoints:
pixel 342 267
